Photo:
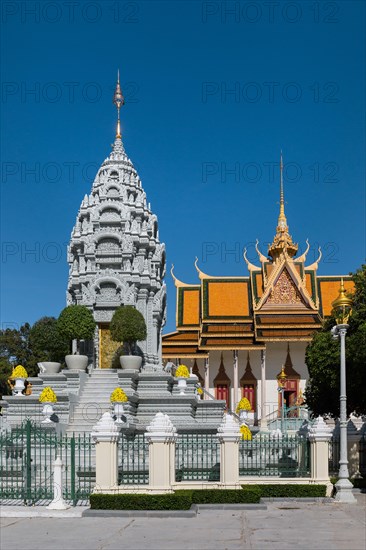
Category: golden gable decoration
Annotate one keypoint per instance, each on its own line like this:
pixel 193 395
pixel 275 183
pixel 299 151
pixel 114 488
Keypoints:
pixel 285 291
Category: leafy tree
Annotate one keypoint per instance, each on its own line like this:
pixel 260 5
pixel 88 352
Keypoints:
pixel 46 341
pixel 76 322
pixel 15 350
pixel 128 326
pixel 323 360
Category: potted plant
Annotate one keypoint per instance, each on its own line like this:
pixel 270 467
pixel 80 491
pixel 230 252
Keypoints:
pixel 76 323
pixel 182 373
pixel 20 375
pixel 243 408
pixel 48 398
pixel 118 397
pixel 199 391
pixel 128 326
pixel 48 345
pixel 246 434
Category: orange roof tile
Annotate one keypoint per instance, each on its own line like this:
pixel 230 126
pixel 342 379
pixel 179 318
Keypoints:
pixel 228 299
pixel 329 289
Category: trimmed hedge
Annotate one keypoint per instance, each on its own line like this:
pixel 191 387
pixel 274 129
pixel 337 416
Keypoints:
pixel 291 491
pixel 183 499
pixel 141 502
pixel 226 496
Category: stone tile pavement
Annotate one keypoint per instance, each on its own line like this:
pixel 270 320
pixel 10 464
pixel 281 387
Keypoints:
pixel 284 525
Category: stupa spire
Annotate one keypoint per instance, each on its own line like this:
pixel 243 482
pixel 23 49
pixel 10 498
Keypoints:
pixel 119 101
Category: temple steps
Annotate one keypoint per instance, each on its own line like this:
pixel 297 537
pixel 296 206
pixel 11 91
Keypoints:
pixel 94 400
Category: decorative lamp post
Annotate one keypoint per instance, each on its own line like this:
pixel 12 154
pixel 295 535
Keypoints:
pixel 342 309
pixel 281 380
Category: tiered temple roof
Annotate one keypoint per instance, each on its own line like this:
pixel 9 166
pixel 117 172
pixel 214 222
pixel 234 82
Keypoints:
pixel 282 299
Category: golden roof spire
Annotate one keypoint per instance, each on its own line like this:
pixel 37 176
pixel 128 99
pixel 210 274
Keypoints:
pixel 282 218
pixel 282 242
pixel 118 100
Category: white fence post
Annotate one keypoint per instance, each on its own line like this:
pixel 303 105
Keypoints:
pixel 319 437
pixel 58 502
pixel 105 434
pixel 161 436
pixel 354 434
pixel 229 437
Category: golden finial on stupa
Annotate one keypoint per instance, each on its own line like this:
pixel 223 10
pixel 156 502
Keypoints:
pixel 118 100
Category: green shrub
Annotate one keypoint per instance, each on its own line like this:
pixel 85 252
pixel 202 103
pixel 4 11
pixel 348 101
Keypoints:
pixel 46 341
pixel 76 322
pixel 141 502
pixel 291 491
pixel 226 496
pixel 128 326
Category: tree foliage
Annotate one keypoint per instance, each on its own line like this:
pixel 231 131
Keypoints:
pixel 128 326
pixel 15 350
pixel 76 322
pixel 323 360
pixel 46 341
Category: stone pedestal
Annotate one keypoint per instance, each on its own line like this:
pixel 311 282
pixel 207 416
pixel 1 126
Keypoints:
pixel 229 437
pixel 105 434
pixel 319 437
pixel 161 435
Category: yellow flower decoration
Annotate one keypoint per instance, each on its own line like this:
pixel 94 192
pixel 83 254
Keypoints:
pixel 118 396
pixel 182 372
pixel 19 372
pixel 245 432
pixel 47 395
pixel 199 391
pixel 243 405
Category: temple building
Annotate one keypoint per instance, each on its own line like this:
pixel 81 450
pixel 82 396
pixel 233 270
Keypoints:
pixel 115 255
pixel 236 333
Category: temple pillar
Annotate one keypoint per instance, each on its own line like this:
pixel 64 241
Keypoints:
pixel 263 423
pixel 236 379
pixel 207 377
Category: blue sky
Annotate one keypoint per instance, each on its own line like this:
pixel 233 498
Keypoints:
pixel 213 91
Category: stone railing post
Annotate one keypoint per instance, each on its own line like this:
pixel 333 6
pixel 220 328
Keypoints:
pixel 354 429
pixel 58 502
pixel 319 437
pixel 105 434
pixel 229 436
pixel 161 435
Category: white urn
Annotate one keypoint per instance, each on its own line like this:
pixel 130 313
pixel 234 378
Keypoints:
pixel 19 386
pixel 47 412
pixel 182 384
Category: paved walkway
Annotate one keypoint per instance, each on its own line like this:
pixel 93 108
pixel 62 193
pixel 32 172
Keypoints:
pixel 284 525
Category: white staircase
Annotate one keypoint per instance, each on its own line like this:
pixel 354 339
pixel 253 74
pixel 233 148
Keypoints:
pixel 94 400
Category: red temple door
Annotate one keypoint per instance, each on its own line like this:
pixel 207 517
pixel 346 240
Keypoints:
pixel 222 392
pixel 249 393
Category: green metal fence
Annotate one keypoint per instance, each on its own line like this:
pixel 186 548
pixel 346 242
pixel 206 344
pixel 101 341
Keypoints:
pixel 333 462
pixel 197 457
pixel 286 456
pixel 27 453
pixel 362 449
pixel 78 455
pixel 133 459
